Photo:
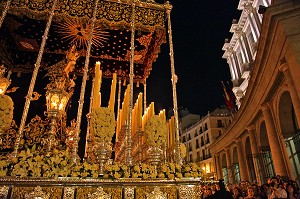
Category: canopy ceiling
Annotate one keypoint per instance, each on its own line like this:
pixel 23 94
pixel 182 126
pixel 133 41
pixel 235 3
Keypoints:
pixel 24 25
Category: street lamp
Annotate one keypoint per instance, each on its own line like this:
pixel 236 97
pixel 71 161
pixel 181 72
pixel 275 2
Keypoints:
pixel 56 100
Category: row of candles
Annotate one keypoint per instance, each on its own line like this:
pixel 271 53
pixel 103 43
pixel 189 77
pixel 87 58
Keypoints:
pixel 138 118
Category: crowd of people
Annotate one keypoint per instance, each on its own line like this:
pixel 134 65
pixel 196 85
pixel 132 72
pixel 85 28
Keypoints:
pixel 273 189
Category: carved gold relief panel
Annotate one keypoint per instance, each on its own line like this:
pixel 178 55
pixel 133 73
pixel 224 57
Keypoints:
pixel 142 192
pixel 115 193
pixel 20 192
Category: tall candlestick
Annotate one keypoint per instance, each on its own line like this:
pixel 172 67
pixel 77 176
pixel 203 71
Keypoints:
pixel 97 86
pixel 111 103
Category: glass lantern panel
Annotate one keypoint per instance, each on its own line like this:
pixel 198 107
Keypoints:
pixel 54 101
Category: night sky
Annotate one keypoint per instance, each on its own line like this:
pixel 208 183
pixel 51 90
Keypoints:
pixel 199 30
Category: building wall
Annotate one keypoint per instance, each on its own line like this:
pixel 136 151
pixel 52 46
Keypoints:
pixel 198 137
pixel 262 139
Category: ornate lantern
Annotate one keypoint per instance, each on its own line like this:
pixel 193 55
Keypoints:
pixel 4 82
pixel 56 100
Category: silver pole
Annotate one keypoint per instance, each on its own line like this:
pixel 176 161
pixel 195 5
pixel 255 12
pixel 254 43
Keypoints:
pixel 178 158
pixel 83 85
pixel 4 12
pixel 33 80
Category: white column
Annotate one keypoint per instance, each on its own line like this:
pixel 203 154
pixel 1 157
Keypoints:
pixel 242 162
pixel 228 165
pixel 254 151
pixel 247 47
pixel 237 67
pixel 277 154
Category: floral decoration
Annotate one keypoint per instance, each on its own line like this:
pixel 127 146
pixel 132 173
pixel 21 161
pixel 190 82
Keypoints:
pixel 30 162
pixel 170 171
pixel 103 124
pixel 155 131
pixel 117 170
pixel 6 112
pixel 191 170
pixel 182 150
pixel 144 171
pixel 85 169
pixel 4 166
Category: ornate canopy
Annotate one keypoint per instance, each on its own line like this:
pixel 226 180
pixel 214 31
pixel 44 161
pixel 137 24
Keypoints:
pixel 23 28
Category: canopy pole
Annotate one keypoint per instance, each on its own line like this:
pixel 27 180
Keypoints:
pixel 174 79
pixel 88 137
pixel 83 85
pixel 33 80
pixel 129 129
pixel 4 12
pixel 118 110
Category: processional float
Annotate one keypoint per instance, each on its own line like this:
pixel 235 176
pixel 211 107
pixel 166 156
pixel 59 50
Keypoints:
pixel 93 40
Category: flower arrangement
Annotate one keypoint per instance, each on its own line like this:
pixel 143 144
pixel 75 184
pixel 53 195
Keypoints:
pixel 191 170
pixel 30 162
pixel 182 150
pixel 155 131
pixel 117 170
pixel 85 169
pixel 170 171
pixel 144 171
pixel 103 124
pixel 4 165
pixel 6 112
pixel 58 164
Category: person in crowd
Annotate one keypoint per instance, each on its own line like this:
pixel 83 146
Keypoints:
pixel 250 193
pixel 276 190
pixel 292 192
pixel 222 193
pixel 237 193
pixel 264 191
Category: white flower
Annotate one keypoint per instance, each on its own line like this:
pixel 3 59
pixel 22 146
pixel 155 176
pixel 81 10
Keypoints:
pixel 155 131
pixel 6 112
pixel 103 123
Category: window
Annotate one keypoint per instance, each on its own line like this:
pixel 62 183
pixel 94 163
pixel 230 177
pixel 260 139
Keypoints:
pixel 183 140
pixel 196 133
pixel 197 144
pixel 191 158
pixel 198 156
pixel 202 141
pixel 190 147
pixel 201 131
pixel 205 127
pixel 207 138
pixel 220 124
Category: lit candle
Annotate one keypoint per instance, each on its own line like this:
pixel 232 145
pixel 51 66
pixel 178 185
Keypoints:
pixel 97 86
pixel 140 109
pixel 152 112
pixel 111 103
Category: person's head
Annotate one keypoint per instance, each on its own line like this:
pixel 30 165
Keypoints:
pixel 236 191
pixel 242 184
pixel 290 189
pixel 221 184
pixel 274 182
pixel 250 192
pixel 208 191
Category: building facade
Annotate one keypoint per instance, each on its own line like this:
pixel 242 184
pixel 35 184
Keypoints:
pixel 263 138
pixel 198 137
